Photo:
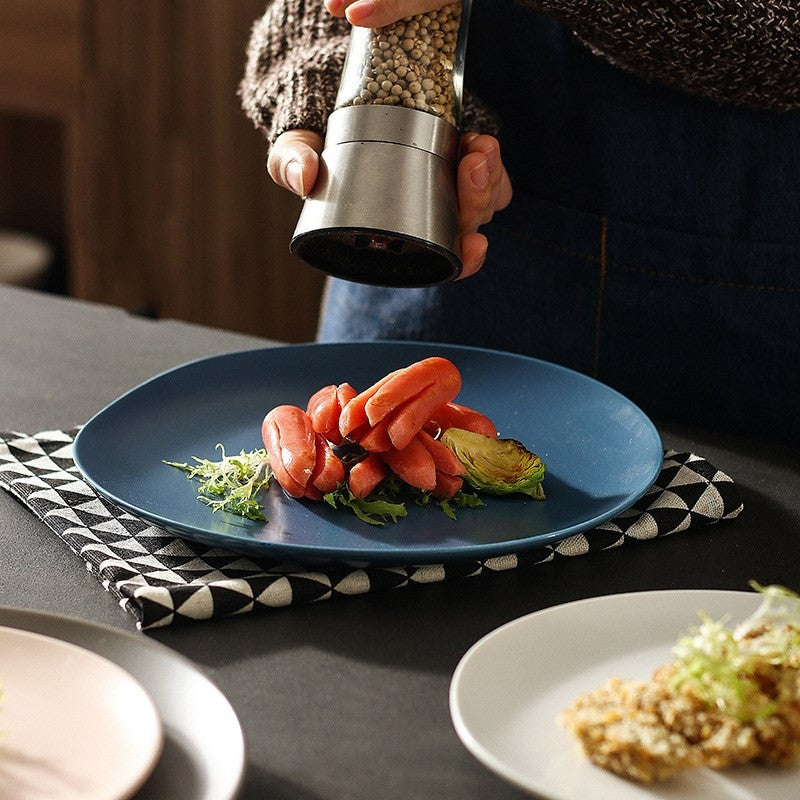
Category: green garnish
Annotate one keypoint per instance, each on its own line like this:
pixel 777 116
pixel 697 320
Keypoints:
pixel 388 501
pixel 460 499
pixel 232 483
pixel 721 666
pixel 373 510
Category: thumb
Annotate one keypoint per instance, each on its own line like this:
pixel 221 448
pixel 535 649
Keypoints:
pixel 377 13
pixel 293 160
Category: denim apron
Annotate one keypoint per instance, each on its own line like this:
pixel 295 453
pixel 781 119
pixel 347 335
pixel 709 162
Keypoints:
pixel 652 242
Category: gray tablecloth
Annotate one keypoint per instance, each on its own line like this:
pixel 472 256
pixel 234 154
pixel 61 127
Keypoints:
pixel 348 699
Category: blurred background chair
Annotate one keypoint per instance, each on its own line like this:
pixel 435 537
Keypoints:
pixel 25 260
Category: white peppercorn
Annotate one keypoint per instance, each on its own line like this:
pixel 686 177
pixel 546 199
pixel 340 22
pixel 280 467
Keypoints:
pixel 409 63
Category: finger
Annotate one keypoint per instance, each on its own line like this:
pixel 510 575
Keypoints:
pixel 293 160
pixel 490 147
pixel 473 253
pixel 336 7
pixel 505 193
pixel 377 13
pixel 475 191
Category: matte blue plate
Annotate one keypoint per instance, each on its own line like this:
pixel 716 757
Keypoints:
pixel 602 453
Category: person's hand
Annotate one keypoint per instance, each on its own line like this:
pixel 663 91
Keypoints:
pixel 483 188
pixel 482 182
pixel 377 13
pixel 293 161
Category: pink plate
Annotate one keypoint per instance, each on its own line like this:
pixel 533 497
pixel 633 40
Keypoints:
pixel 73 724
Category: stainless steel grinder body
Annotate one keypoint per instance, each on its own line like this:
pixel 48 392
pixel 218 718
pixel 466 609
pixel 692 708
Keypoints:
pixel 384 209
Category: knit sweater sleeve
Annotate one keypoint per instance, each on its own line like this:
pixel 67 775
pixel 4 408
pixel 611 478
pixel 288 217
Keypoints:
pixel 294 61
pixel 738 52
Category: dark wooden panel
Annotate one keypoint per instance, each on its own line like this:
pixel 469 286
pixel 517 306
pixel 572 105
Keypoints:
pixel 174 209
pixel 40 45
pixel 167 202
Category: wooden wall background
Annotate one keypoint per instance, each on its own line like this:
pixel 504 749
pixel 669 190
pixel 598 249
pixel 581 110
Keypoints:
pixel 121 135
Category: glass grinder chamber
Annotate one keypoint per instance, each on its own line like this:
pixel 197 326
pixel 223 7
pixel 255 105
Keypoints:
pixel 384 209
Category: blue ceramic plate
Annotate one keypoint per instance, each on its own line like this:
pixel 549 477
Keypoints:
pixel 602 453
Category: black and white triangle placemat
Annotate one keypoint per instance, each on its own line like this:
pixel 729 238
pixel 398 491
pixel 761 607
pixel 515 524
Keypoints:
pixel 163 579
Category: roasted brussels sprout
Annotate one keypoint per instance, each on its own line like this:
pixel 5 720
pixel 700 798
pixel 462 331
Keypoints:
pixel 497 466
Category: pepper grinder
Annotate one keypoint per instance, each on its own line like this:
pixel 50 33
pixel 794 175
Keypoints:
pixel 384 209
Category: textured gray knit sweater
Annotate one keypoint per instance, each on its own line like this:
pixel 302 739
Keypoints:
pixel 740 52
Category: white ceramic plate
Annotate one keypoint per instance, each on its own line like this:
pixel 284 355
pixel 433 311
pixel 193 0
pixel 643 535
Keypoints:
pixel 204 749
pixel 510 686
pixel 74 724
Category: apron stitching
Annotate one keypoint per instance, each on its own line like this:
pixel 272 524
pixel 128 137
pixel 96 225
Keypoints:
pixel 705 281
pixel 610 262
pixel 600 292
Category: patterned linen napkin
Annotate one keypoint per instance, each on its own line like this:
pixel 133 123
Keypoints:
pixel 162 579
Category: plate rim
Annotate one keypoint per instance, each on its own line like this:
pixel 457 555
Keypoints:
pixel 483 754
pixel 68 628
pixel 315 553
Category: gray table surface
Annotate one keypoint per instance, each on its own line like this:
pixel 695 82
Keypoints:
pixel 347 698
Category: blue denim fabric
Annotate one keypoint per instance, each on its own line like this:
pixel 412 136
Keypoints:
pixel 653 240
